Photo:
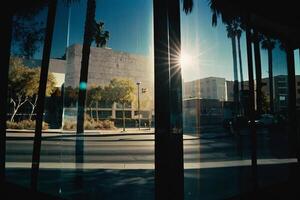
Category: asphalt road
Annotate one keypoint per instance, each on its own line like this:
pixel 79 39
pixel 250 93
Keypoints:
pixel 139 149
pixel 219 161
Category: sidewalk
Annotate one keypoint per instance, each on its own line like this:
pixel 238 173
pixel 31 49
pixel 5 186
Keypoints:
pixel 29 134
pixel 59 132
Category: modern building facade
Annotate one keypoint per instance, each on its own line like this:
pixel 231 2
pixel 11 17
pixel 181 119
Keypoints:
pixel 257 157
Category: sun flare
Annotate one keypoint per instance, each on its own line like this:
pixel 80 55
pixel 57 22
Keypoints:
pixel 186 60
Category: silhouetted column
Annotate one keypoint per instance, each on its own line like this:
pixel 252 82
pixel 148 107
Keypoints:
pixel 176 132
pixel 42 93
pixel 162 111
pixel 5 41
pixel 168 113
pixel 292 126
pixel 251 107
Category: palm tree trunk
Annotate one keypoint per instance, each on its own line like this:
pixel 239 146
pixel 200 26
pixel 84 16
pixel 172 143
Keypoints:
pixel 5 38
pixel 90 16
pixel 258 73
pixel 123 113
pixel 270 63
pixel 235 74
pixel 251 107
pixel 41 93
pixel 241 65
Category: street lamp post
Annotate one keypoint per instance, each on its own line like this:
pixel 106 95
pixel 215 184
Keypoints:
pixel 139 117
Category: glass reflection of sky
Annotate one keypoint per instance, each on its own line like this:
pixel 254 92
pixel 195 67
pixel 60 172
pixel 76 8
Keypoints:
pixel 130 25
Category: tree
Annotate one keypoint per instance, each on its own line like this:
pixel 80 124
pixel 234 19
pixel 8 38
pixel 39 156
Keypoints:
pixel 256 38
pixel 238 35
pixel 32 87
pixel 100 36
pixel 29 30
pixel 24 85
pixel 120 91
pixel 94 95
pixel 18 77
pixel 265 103
pixel 269 44
pixel 231 33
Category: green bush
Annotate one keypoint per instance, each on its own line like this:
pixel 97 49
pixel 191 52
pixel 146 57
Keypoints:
pixel 90 124
pixel 24 124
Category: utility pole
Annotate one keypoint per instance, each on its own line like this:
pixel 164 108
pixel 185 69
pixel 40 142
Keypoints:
pixel 139 117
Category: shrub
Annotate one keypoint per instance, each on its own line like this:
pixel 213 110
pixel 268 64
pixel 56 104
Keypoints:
pixel 99 125
pixel 69 125
pixel 107 124
pixel 90 125
pixel 24 124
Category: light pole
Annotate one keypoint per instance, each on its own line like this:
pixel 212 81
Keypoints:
pixel 139 117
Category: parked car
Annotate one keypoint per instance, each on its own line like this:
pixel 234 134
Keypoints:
pixel 271 121
pixel 265 120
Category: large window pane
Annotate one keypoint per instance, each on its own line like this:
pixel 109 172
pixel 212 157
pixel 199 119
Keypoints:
pixel 29 23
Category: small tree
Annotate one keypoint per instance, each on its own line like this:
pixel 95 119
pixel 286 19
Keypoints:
pixel 18 76
pixel 24 84
pixel 94 95
pixel 32 87
pixel 120 91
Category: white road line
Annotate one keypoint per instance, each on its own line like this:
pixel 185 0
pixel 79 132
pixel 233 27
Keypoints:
pixel 198 165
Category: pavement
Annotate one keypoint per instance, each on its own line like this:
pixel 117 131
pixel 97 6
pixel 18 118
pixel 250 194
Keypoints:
pixel 50 133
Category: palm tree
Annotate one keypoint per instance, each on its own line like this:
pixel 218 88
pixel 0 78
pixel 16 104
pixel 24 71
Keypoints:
pixel 269 44
pixel 256 38
pixel 101 37
pixel 238 35
pixel 231 33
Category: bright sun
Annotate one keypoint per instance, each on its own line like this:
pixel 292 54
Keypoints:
pixel 185 60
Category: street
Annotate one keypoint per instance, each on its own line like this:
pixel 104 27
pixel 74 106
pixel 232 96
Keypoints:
pixel 122 166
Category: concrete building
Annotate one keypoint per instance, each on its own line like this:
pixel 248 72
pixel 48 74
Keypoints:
pixel 206 88
pixel 106 64
pixel 280 94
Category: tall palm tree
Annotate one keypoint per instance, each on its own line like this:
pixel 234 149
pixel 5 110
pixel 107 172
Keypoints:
pixel 256 38
pixel 269 44
pixel 231 33
pixel 100 37
pixel 238 35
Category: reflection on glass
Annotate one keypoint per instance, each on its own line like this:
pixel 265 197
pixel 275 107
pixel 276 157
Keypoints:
pixel 28 35
pixel 215 105
pixel 216 98
pixel 113 153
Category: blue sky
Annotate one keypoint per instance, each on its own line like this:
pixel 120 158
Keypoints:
pixel 130 25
